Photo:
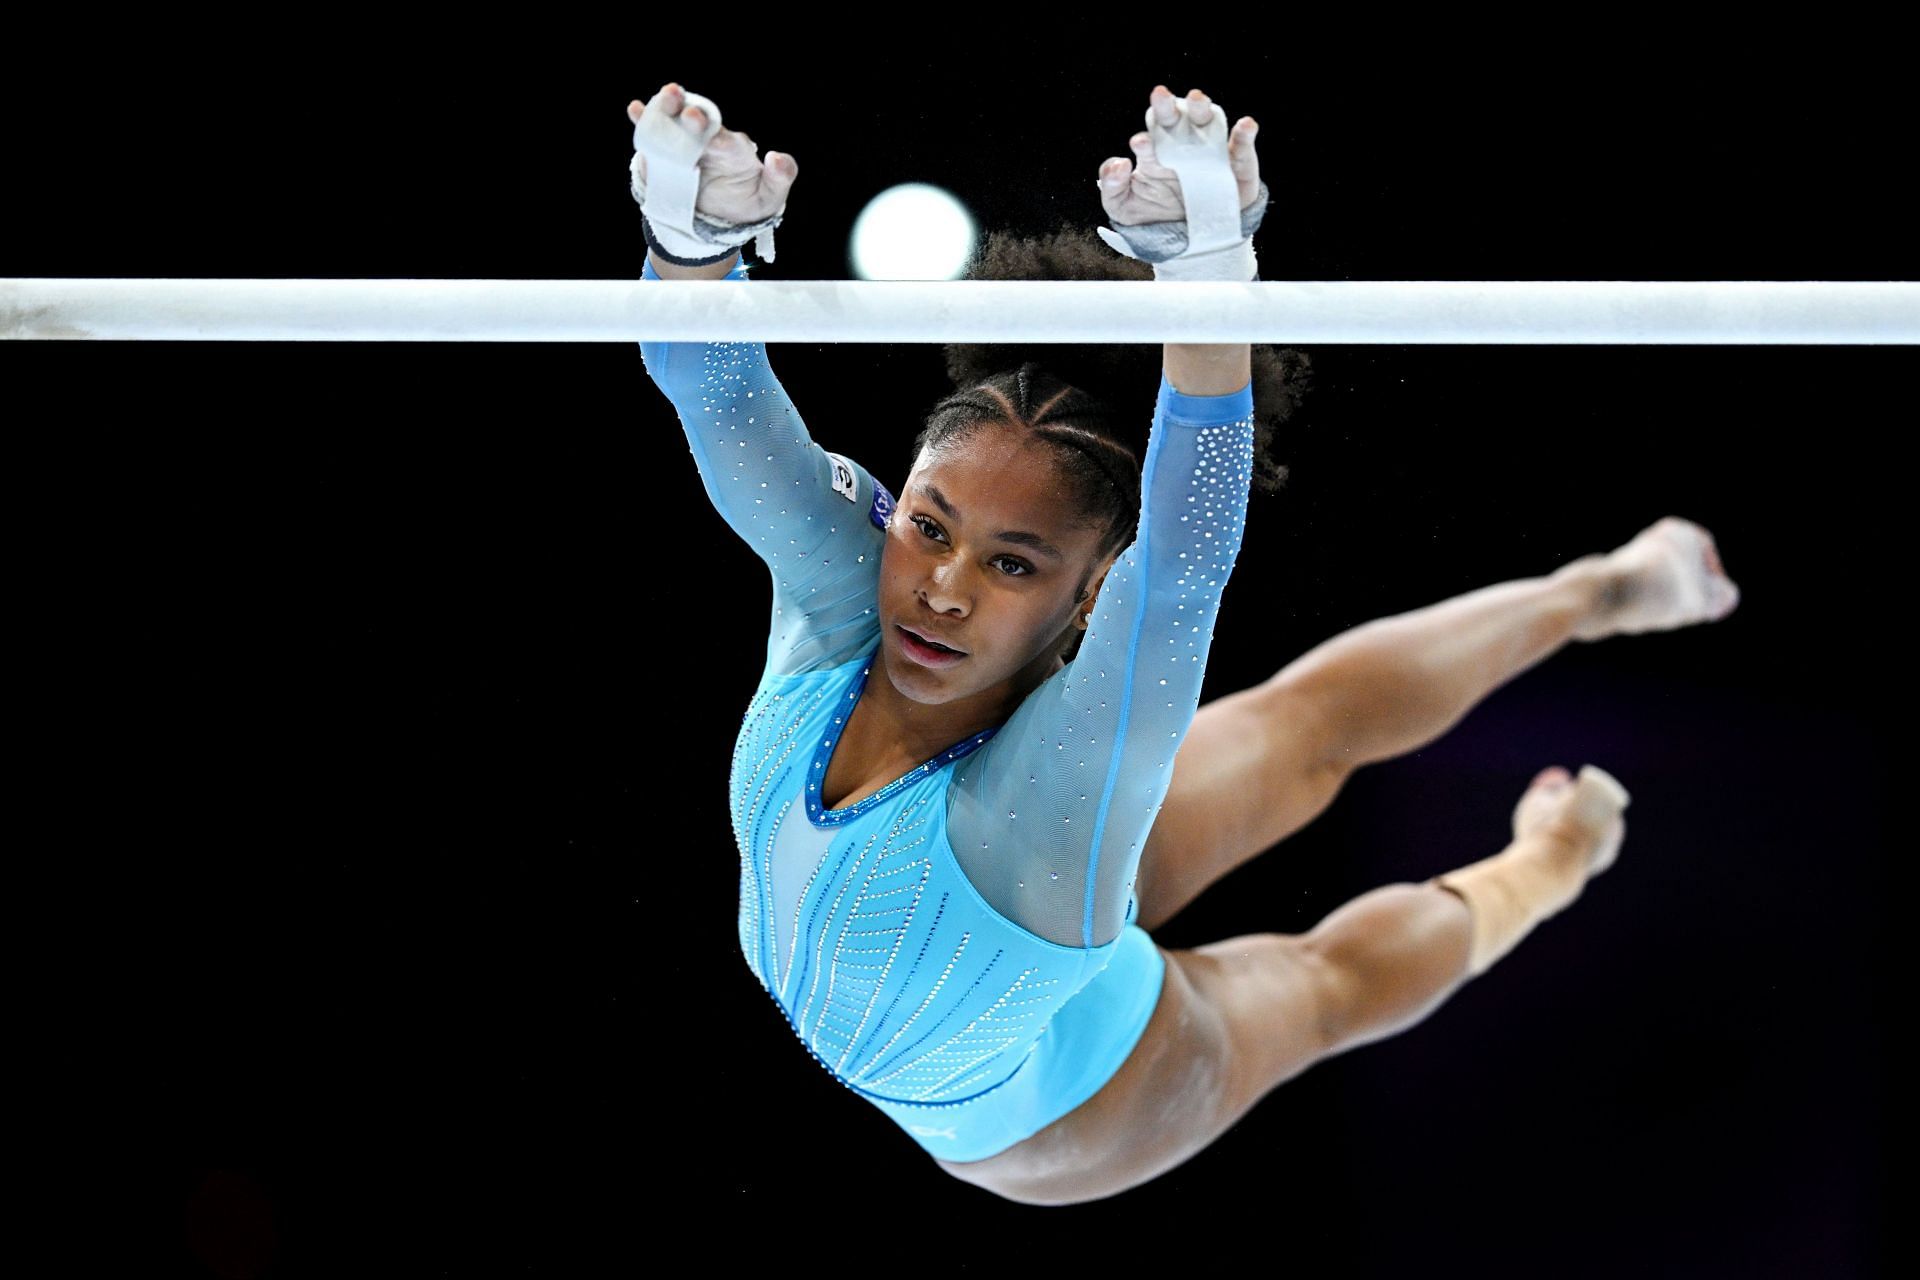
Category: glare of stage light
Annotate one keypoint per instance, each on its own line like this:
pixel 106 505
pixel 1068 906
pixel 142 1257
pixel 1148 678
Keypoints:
pixel 914 231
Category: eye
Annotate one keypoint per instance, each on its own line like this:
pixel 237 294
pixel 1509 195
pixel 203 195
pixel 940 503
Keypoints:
pixel 1018 570
pixel 927 527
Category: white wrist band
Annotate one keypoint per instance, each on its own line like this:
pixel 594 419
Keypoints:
pixel 1217 248
pixel 672 184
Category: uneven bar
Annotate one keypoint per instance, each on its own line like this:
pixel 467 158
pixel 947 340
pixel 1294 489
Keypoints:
pixel 1735 312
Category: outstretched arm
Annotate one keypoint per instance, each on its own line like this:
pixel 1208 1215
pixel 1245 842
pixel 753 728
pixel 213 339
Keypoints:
pixel 1103 731
pixel 1148 191
pixel 815 518
pixel 1066 790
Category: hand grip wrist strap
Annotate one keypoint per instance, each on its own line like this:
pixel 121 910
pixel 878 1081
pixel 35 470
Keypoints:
pixel 1215 242
pixel 672 183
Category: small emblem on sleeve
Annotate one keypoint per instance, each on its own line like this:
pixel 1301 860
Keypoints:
pixel 844 483
pixel 882 505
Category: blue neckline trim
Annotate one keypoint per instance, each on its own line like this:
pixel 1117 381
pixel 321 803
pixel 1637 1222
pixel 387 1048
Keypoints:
pixel 823 756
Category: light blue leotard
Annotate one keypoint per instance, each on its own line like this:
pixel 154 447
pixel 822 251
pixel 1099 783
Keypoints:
pixel 958 947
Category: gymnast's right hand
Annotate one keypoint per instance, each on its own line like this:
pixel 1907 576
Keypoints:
pixel 735 185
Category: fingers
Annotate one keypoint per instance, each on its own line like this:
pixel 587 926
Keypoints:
pixel 673 100
pixel 1199 109
pixel 670 96
pixel 1240 154
pixel 1166 112
pixel 1142 144
pixel 729 147
pixel 1167 109
pixel 780 173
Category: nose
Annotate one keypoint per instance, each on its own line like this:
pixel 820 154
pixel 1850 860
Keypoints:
pixel 943 590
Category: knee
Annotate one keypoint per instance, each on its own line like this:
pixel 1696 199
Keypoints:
pixel 1304 702
pixel 1336 986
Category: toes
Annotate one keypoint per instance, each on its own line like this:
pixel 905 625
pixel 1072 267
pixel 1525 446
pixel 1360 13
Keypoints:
pixel 1725 597
pixel 1603 790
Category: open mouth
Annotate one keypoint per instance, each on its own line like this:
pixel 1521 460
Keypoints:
pixel 930 650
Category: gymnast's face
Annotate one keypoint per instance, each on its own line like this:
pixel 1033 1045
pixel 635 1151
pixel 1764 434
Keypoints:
pixel 984 553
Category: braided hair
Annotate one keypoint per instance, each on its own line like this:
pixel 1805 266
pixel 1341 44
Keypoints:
pixel 1045 389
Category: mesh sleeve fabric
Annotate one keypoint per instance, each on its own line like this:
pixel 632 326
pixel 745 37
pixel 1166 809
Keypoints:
pixel 816 518
pixel 1050 816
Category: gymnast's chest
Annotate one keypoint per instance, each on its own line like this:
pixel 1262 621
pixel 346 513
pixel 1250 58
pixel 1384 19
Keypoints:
pixel 845 893
pixel 779 748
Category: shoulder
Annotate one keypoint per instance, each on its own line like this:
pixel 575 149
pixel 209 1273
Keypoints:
pixel 861 488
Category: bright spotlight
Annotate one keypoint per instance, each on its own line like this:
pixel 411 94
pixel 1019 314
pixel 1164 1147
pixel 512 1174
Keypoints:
pixel 915 231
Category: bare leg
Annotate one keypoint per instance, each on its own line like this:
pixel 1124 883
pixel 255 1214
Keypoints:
pixel 1259 764
pixel 1239 1017
pixel 1395 684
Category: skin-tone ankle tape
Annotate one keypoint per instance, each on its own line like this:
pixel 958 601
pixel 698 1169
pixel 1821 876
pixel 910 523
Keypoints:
pixel 1508 894
pixel 1515 889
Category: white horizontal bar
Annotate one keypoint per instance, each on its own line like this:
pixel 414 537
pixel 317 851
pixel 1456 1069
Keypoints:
pixel 888 311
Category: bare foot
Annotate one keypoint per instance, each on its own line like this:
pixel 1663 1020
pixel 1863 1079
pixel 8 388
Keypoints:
pixel 1584 813
pixel 1669 576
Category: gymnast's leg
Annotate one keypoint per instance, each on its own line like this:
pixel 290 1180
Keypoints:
pixel 1237 1018
pixel 1259 764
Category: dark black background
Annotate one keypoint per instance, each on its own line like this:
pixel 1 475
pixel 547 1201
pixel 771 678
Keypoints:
pixel 391 915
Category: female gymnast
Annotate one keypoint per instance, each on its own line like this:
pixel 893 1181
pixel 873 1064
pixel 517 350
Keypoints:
pixel 974 772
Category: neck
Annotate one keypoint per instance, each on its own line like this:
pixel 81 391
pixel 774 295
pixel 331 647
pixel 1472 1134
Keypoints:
pixel 921 729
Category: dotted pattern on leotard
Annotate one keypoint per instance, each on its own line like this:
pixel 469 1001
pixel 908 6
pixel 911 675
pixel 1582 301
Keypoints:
pixel 774 486
pixel 1048 817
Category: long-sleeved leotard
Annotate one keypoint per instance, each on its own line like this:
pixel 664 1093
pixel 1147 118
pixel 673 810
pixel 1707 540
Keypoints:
pixel 926 940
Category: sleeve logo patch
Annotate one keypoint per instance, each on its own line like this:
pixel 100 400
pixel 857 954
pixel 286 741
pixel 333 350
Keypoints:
pixel 882 505
pixel 844 483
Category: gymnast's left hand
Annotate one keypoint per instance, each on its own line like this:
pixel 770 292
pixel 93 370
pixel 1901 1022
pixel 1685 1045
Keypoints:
pixel 1144 190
